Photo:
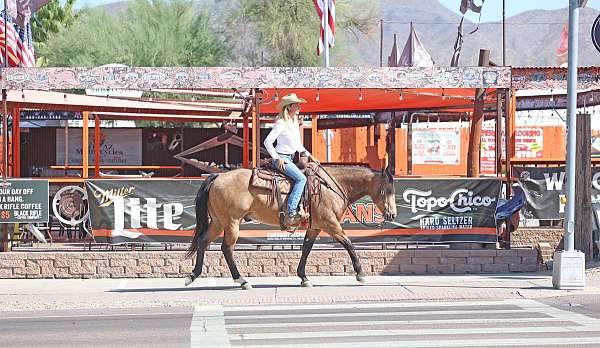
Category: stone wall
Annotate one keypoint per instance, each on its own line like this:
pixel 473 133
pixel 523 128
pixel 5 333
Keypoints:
pixel 151 264
pixel 530 237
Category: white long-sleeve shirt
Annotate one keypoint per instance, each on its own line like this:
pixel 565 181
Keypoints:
pixel 287 134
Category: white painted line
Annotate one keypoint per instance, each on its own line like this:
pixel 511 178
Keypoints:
pixel 561 313
pixel 374 305
pixel 371 314
pixel 535 342
pixel 396 322
pixel 208 327
pixel 423 332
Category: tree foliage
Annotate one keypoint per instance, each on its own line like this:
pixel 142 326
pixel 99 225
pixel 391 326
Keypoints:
pixel 51 18
pixel 287 31
pixel 147 33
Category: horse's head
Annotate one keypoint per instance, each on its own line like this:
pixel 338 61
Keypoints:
pixel 384 194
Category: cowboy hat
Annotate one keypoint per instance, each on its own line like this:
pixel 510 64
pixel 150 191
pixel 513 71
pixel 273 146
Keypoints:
pixel 291 98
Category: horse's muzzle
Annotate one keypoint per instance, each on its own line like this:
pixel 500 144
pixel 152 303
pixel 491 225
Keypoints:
pixel 389 216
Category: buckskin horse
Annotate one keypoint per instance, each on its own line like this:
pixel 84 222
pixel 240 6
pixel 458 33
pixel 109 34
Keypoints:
pixel 225 199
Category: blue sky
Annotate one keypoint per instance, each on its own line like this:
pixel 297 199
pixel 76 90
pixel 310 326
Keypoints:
pixel 492 9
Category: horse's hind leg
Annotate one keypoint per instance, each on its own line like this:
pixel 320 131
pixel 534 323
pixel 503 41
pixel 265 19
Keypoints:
pixel 309 240
pixel 211 234
pixel 228 245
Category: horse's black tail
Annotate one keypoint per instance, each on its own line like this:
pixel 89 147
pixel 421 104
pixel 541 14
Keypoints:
pixel 201 214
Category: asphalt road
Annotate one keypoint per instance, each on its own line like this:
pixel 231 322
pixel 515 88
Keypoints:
pixel 551 322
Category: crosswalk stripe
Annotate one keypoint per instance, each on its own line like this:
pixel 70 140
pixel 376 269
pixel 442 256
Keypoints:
pixel 414 332
pixel 394 322
pixel 535 342
pixel 371 305
pixel 369 314
pixel 208 327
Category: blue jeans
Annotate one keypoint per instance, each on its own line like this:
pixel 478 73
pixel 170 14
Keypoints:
pixel 299 182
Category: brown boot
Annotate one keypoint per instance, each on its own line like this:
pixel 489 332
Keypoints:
pixel 297 218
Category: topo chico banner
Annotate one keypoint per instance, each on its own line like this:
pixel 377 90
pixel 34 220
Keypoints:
pixel 432 211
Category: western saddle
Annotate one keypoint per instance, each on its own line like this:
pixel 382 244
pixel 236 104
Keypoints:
pixel 279 186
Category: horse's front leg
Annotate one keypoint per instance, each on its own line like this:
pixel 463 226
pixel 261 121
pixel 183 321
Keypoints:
pixel 337 232
pixel 309 240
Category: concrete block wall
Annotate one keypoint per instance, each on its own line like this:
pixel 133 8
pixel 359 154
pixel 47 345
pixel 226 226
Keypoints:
pixel 154 264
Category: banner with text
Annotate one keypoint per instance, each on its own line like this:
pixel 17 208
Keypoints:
pixel 454 210
pixel 24 200
pixel 529 143
pixel 117 147
pixel 545 189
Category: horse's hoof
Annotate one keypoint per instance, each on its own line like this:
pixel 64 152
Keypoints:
pixel 246 286
pixel 361 278
pixel 306 284
pixel 189 280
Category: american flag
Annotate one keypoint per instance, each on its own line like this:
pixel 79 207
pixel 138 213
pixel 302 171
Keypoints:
pixel 327 22
pixel 20 52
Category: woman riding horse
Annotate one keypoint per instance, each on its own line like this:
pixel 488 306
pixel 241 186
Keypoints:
pixel 225 199
pixel 286 132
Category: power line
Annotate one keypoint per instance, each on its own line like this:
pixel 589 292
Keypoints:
pixel 475 24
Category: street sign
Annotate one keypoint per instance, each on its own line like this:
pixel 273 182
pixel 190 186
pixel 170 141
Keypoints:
pixel 24 200
pixel 596 33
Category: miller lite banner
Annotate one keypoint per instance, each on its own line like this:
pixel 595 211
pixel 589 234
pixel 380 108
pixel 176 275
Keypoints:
pixel 432 211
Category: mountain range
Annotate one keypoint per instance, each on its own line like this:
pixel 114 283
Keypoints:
pixel 532 37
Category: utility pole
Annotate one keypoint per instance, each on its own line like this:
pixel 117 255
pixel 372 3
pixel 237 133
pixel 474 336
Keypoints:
pixel 569 265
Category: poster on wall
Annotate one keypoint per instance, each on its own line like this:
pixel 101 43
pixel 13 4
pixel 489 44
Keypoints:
pixel 529 143
pixel 117 147
pixel 24 200
pixel 436 146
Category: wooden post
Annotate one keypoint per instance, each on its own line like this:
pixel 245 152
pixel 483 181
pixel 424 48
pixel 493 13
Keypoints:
pixel 255 131
pixel 409 144
pixel 16 141
pixel 509 138
pixel 391 144
pixel 498 133
pixel 97 136
pixel 245 135
pixel 85 144
pixel 473 154
pixel 314 133
pixel 583 188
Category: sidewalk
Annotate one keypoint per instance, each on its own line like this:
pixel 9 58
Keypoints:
pixel 56 294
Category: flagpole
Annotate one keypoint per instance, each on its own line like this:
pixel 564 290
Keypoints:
pixel 326 44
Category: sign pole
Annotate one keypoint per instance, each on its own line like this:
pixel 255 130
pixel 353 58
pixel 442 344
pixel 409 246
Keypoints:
pixel 569 265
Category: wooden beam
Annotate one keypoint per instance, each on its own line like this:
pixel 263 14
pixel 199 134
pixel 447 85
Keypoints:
pixel 245 135
pixel 97 136
pixel 498 133
pixel 86 144
pixel 583 187
pixel 409 144
pixel 314 133
pixel 473 154
pixel 16 142
pixel 255 138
